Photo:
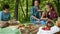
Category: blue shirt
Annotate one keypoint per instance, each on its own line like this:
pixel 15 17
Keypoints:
pixel 34 12
pixel 5 16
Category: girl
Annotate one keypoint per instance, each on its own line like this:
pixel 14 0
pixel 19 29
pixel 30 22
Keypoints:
pixel 50 12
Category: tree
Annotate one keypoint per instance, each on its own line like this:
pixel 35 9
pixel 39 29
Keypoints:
pixel 26 10
pixel 20 9
pixel 16 9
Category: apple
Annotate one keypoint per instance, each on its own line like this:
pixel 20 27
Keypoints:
pixel 43 28
pixel 47 28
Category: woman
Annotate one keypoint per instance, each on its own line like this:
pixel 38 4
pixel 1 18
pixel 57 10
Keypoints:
pixel 50 12
pixel 34 12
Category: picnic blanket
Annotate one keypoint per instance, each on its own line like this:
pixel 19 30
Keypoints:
pixel 9 31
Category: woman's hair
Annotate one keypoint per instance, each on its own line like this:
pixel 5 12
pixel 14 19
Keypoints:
pixel 34 1
pixel 6 7
pixel 51 6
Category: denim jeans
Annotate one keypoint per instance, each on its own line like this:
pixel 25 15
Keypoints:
pixel 42 22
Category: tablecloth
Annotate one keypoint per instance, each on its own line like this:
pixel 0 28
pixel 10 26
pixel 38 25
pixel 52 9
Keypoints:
pixel 9 31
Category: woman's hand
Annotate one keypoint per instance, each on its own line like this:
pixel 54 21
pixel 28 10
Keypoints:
pixel 51 20
pixel 38 19
pixel 44 18
pixel 35 18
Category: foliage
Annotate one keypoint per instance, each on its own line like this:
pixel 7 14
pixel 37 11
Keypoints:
pixel 22 8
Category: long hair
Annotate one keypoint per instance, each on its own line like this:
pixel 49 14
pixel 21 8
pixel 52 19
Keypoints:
pixel 34 1
pixel 53 8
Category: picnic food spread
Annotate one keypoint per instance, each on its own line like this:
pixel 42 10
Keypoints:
pixel 26 28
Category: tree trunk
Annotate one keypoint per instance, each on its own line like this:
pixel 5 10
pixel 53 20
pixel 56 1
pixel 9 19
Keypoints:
pixel 59 7
pixel 16 10
pixel 26 9
pixel 32 2
pixel 22 9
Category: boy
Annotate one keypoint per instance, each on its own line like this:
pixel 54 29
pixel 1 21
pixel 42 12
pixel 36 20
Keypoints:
pixel 5 14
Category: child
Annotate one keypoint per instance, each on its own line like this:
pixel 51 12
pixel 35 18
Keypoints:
pixel 5 14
